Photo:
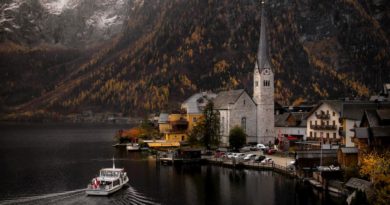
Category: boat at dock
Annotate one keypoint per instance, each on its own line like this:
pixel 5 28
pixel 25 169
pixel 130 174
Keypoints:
pixel 133 147
pixel 109 181
pixel 315 183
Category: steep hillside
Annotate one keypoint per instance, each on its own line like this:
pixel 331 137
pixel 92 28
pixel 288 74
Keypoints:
pixel 171 49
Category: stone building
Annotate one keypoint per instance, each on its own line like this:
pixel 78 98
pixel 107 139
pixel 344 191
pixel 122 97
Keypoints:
pixel 236 108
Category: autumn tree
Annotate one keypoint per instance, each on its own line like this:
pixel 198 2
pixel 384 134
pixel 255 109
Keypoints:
pixel 377 167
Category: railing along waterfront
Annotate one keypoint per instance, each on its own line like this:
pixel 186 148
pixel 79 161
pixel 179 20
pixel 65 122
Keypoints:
pixel 252 165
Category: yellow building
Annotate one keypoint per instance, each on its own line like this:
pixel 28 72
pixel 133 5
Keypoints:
pixel 174 127
pixel 177 126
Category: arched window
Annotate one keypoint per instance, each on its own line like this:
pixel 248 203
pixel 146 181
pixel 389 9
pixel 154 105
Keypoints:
pixel 243 123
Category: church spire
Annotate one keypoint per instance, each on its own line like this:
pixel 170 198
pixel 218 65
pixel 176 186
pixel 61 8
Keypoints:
pixel 262 52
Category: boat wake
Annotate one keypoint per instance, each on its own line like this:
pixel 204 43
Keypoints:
pixel 43 198
pixel 128 195
pixel 131 196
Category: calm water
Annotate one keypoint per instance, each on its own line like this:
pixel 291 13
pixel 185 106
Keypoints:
pixel 52 163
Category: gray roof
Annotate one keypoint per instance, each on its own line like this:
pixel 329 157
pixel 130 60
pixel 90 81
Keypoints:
pixel 300 117
pixel 372 118
pixel 355 110
pixel 384 114
pixel 262 53
pixel 281 120
pixel 225 98
pixel 197 101
pixel 334 104
pixel 360 184
pixel 361 132
pixel 349 150
pixel 163 118
pixel 383 131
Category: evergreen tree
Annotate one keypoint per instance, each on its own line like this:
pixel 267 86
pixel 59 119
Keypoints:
pixel 206 132
pixel 211 135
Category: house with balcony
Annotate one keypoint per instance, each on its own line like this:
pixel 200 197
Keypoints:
pixel 173 126
pixel 323 123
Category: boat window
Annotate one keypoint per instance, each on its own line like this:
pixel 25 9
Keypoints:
pixel 115 183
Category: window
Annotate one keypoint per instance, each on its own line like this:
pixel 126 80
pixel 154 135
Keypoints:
pixel 311 134
pixel 315 134
pixel 334 135
pixel 327 112
pixel 315 122
pixel 256 83
pixel 182 138
pixel 243 123
pixel 311 122
pixel 327 135
pixel 327 122
pixel 222 124
pixel 334 114
pixel 266 83
pixel 244 102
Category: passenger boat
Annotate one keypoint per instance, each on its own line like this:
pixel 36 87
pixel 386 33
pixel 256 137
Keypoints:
pixel 109 181
pixel 133 147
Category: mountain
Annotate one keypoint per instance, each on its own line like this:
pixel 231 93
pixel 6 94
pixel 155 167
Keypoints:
pixel 167 50
pixel 73 23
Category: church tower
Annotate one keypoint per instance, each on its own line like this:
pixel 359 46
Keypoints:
pixel 263 88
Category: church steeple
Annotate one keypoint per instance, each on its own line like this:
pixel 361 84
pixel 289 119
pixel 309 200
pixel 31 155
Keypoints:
pixel 262 52
pixel 263 88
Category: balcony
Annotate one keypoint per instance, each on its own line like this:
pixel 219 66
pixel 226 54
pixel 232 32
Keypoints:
pixel 323 116
pixel 323 127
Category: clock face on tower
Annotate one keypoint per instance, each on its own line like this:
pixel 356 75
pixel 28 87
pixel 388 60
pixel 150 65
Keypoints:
pixel 266 72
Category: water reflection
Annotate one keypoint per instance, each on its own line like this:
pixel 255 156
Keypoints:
pixel 39 160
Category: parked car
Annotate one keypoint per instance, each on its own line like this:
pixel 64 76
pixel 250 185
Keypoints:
pixel 291 165
pixel 245 149
pixel 254 148
pixel 249 157
pixel 266 161
pixel 239 155
pixel 219 154
pixel 259 158
pixel 261 146
pixel 270 151
pixel 230 155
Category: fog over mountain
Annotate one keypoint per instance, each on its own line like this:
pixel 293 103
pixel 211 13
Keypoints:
pixel 138 56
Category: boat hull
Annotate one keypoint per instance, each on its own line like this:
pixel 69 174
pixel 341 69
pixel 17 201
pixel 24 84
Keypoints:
pixel 105 192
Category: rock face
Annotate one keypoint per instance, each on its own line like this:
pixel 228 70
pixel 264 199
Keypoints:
pixel 157 53
pixel 68 22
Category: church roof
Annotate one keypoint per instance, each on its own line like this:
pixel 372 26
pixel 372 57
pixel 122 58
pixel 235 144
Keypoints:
pixel 262 52
pixel 196 103
pixel 225 98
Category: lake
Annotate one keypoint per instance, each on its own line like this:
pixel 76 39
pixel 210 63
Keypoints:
pixel 53 163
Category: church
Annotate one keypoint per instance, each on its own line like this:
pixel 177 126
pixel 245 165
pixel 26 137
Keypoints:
pixel 255 115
